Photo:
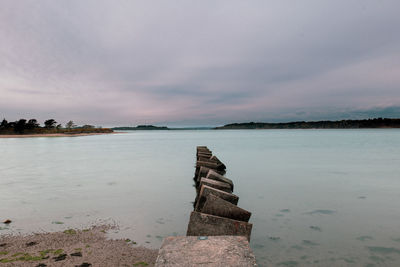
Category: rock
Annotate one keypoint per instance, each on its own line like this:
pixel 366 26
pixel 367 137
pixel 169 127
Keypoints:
pixel 190 251
pixel 215 184
pixel 218 177
pixel 76 254
pixel 31 244
pixel 60 257
pixel 222 208
pixel 201 224
pixel 7 221
pixel 3 245
pixel 206 190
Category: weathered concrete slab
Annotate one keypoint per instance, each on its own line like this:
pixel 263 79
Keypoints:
pixel 215 184
pixel 222 208
pixel 206 190
pixel 209 225
pixel 218 177
pixel 210 164
pixel 202 157
pixel 217 251
pixel 210 159
pixel 214 158
pixel 203 171
pixel 203 150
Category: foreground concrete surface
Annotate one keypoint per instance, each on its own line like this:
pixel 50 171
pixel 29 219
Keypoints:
pixel 201 224
pixel 205 251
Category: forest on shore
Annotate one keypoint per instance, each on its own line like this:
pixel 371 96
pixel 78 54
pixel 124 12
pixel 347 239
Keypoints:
pixel 50 126
pixel 342 124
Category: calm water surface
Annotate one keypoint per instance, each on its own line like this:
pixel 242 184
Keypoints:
pixel 318 197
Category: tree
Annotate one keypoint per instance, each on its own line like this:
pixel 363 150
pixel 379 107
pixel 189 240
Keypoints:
pixel 4 124
pixel 32 123
pixel 87 126
pixel 20 126
pixel 70 125
pixel 50 123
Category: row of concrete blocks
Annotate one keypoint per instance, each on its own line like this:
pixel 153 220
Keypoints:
pixel 218 232
pixel 215 208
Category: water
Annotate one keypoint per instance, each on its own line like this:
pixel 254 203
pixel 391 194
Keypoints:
pixel 318 197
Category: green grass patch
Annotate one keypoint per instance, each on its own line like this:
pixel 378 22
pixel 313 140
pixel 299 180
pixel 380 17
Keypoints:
pixel 28 257
pixel 58 251
pixel 20 256
pixel 142 263
pixel 44 253
pixel 6 260
pixel 17 254
pixel 2 253
pixel 70 232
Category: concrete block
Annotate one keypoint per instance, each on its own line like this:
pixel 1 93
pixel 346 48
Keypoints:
pixel 203 150
pixel 201 224
pixel 211 165
pixel 214 158
pixel 215 184
pixel 205 190
pixel 202 157
pixel 207 251
pixel 203 171
pixel 218 177
pixel 222 208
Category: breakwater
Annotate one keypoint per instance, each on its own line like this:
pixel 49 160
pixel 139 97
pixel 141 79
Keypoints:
pixel 215 207
pixel 219 231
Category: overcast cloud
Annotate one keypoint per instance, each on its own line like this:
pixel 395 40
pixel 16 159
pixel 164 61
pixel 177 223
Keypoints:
pixel 199 62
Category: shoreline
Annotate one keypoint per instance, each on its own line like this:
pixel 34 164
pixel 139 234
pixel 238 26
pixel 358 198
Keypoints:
pixel 73 247
pixel 49 135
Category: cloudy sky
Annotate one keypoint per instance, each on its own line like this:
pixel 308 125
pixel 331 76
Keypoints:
pixel 205 62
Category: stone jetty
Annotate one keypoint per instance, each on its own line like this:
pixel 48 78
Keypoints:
pixel 219 231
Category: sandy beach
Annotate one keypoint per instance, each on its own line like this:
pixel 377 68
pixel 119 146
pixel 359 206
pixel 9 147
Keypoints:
pixel 49 135
pixel 87 247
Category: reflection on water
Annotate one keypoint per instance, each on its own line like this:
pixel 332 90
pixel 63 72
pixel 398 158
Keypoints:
pixel 318 197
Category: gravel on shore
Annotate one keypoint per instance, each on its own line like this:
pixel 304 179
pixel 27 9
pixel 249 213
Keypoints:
pixel 83 248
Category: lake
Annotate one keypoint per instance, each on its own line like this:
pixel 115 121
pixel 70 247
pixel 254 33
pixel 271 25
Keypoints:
pixel 318 197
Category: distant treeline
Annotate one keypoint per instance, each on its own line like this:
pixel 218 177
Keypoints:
pixel 32 126
pixel 141 127
pixel 343 124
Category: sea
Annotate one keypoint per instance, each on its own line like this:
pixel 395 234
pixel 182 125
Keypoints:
pixel 317 197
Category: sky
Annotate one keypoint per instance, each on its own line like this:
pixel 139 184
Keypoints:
pixel 199 63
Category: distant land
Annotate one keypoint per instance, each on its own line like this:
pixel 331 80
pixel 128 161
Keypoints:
pixel 140 127
pixel 152 127
pixel 343 124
